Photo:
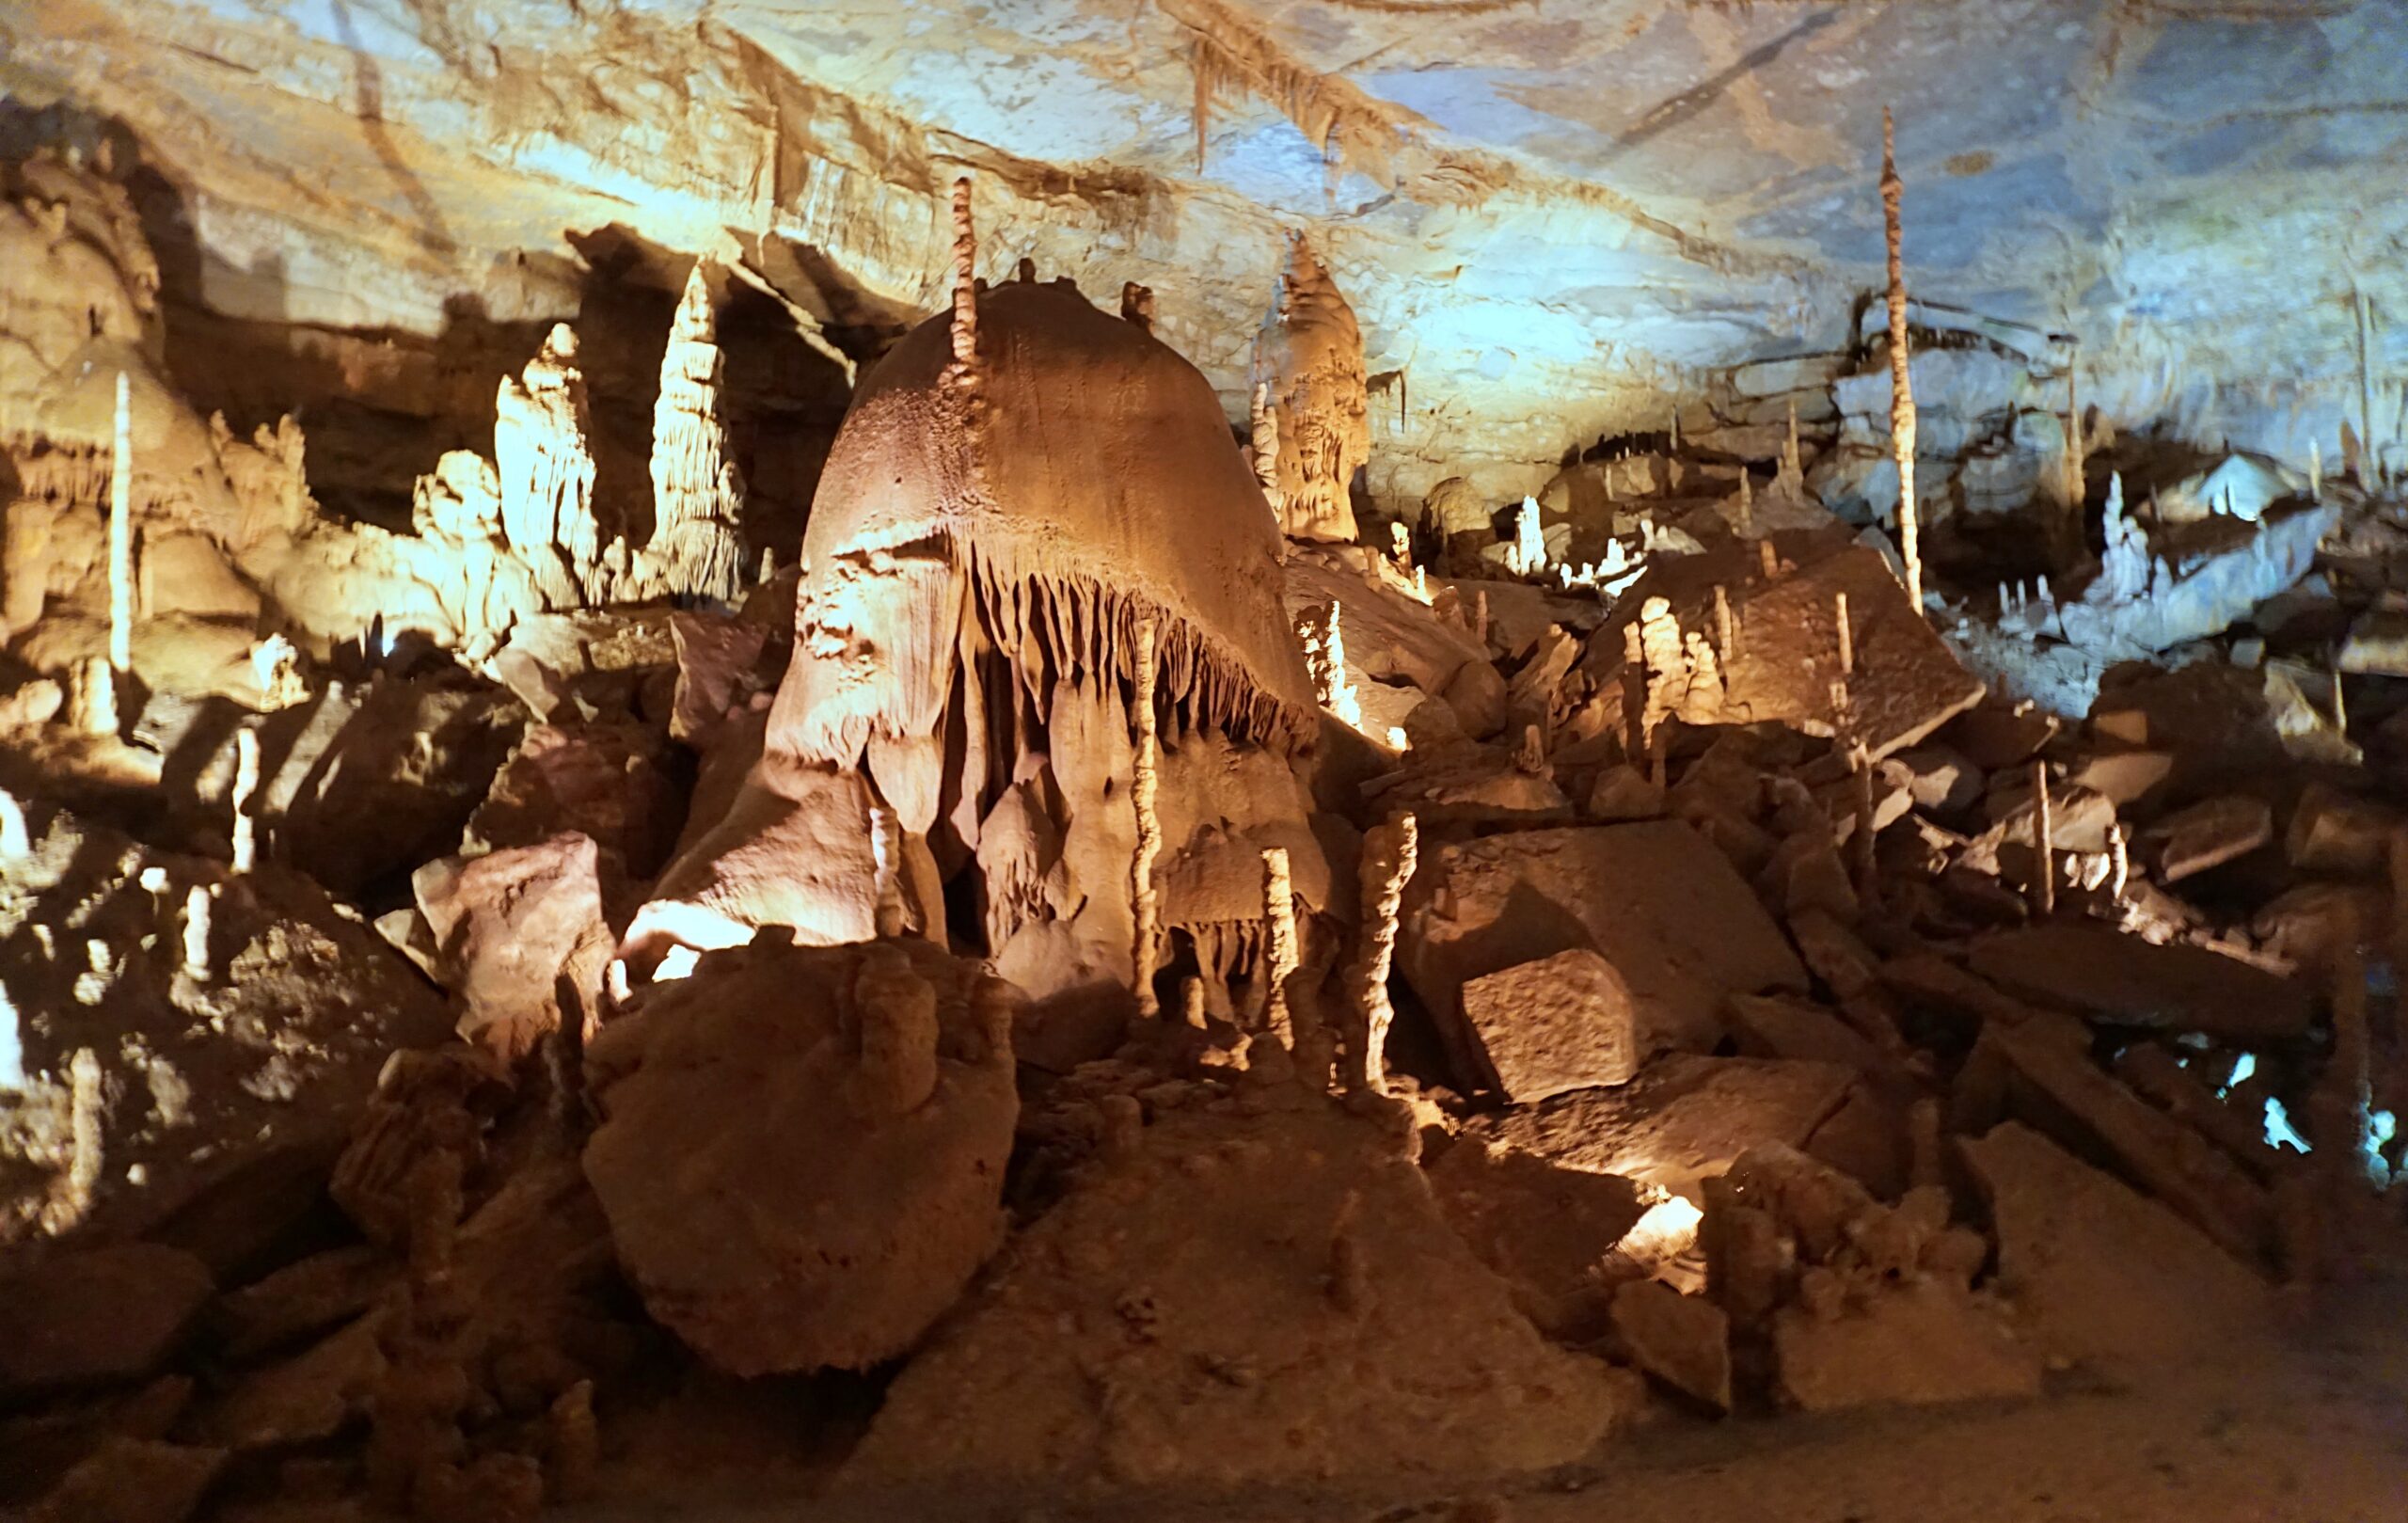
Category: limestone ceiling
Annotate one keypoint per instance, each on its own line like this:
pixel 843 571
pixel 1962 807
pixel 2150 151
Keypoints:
pixel 1552 214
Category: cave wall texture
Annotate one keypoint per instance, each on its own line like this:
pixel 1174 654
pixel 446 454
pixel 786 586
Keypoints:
pixel 1555 219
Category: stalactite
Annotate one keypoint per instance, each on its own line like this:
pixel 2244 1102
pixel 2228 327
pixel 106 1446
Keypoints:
pixel 1144 785
pixel 245 795
pixel 886 853
pixel 1902 399
pixel 697 545
pixel 122 538
pixel 1280 921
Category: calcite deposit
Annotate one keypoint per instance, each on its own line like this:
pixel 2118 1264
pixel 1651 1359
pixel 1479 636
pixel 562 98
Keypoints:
pixel 1640 761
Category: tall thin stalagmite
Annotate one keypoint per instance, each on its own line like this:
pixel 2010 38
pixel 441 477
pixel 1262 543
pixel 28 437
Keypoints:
pixel 121 537
pixel 698 499
pixel 1281 960
pixel 1902 397
pixel 246 797
pixel 2044 829
pixel 965 287
pixel 1389 854
pixel 1142 792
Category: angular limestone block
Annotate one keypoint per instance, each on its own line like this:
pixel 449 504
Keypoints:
pixel 2207 834
pixel 1920 1342
pixel 1682 1341
pixel 1557 1024
pixel 2102 1272
pixel 2123 980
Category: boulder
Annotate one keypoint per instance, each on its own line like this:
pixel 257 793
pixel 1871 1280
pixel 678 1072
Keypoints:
pixel 2207 834
pixel 806 1166
pixel 2332 832
pixel 1682 1341
pixel 2100 1273
pixel 1920 1343
pixel 2123 980
pixel 1233 1299
pixel 718 661
pixel 132 1480
pixel 95 1317
pixel 1546 1228
pixel 1654 900
pixel 609 781
pixel 1681 1119
pixel 517 931
pixel 1560 1023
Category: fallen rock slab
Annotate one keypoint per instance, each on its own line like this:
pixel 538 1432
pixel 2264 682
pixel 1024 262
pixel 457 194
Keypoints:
pixel 806 1166
pixel 1233 1300
pixel 1562 1022
pixel 510 926
pixel 1654 900
pixel 1920 1343
pixel 1682 1119
pixel 2100 1273
pixel 1682 1341
pixel 132 1480
pixel 2123 980
pixel 2207 834
pixel 1546 1228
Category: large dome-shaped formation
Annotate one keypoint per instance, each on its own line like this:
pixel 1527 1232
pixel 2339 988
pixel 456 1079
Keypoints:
pixel 996 520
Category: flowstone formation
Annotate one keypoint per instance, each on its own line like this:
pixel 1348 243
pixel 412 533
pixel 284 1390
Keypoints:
pixel 1309 364
pixel 1018 485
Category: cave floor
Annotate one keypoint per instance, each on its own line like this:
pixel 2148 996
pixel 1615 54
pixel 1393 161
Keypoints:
pixel 2314 1428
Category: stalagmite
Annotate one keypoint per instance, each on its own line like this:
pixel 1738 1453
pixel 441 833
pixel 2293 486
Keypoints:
pixel 1902 399
pixel 1325 646
pixel 2340 707
pixel 2119 861
pixel 1309 353
pixel 1527 556
pixel 1401 546
pixel 246 787
pixel 1263 445
pixel 2371 451
pixel 2044 879
pixel 1746 505
pixel 1137 304
pixel 1191 1001
pixel 1847 634
pixel 698 500
pixel 1766 559
pixel 71 1192
pixel 1144 785
pixel 121 539
pixel 1666 657
pixel 1281 958
pixel 544 465
pixel 1390 852
pixel 92 697
pixel 1634 693
pixel 1860 840
pixel 196 936
pixel 897 1011
pixel 1725 634
pixel 1791 482
pixel 2315 471
pixel 965 288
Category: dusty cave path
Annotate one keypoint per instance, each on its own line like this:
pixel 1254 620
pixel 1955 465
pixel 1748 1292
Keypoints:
pixel 2313 1429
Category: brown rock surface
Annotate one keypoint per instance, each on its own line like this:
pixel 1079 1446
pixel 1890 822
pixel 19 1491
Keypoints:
pixel 1546 1228
pixel 1658 903
pixel 805 1166
pixel 510 926
pixel 2123 980
pixel 95 1317
pixel 1237 1300
pixel 1682 1341
pixel 1683 1117
pixel 1922 1342
pixel 2100 1273
pixel 132 1480
pixel 2207 834
pixel 1557 1024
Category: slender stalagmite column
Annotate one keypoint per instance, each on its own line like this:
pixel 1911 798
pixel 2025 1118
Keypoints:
pixel 2369 476
pixel 196 937
pixel 1279 913
pixel 965 287
pixel 1848 635
pixel 2044 881
pixel 1746 506
pixel 1868 875
pixel 886 855
pixel 121 537
pixel 1390 853
pixel 246 787
pixel 1141 793
pixel 1722 625
pixel 1902 397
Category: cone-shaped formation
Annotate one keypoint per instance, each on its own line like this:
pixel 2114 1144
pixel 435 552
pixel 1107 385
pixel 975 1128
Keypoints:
pixel 1310 356
pixel 540 429
pixel 698 500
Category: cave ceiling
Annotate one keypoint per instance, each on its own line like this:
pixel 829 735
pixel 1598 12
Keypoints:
pixel 1554 217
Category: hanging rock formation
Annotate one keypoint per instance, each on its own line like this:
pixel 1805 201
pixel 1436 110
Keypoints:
pixel 1310 355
